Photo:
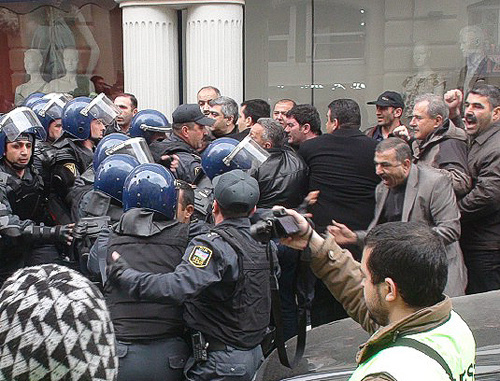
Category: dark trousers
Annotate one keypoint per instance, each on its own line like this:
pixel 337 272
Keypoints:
pixel 229 364
pixel 483 270
pixel 162 359
pixel 296 284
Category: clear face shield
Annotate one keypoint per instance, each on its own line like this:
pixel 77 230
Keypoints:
pixel 136 147
pixel 21 120
pixel 164 129
pixel 251 151
pixel 55 105
pixel 102 108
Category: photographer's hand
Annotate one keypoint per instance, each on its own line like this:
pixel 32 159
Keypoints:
pixel 305 237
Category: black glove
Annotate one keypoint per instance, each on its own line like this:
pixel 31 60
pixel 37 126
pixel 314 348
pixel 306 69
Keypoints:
pixel 115 270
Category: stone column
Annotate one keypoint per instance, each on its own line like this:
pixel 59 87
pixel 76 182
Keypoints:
pixel 214 49
pixel 150 55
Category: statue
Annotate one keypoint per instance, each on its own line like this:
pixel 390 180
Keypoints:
pixel 33 61
pixel 71 83
pixel 424 81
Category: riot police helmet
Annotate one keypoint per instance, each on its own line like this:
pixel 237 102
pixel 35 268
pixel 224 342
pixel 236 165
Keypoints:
pixel 32 98
pixel 151 186
pixel 20 123
pixel 217 158
pixel 107 142
pixel 146 122
pixel 79 113
pixel 111 174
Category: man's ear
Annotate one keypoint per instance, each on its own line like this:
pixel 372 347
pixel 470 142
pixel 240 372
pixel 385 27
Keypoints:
pixel 249 121
pixel 398 112
pixel 496 114
pixel 391 290
pixel 184 131
pixel 306 128
pixel 189 210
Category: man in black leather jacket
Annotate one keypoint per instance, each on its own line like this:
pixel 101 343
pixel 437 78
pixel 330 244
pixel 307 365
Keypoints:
pixel 282 180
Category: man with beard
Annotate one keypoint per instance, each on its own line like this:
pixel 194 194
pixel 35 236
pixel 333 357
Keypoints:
pixel 302 123
pixel 480 208
pixel 22 200
pixel 390 107
pixel 396 294
pixel 281 108
pixel 413 193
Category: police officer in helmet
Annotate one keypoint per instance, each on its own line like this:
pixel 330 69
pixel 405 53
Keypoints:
pixel 223 283
pixel 22 201
pixel 150 239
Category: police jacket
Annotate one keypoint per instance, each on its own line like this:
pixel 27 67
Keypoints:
pixel 189 159
pixel 154 247
pixel 437 326
pixel 225 293
pixel 70 161
pixel 24 197
pixel 21 202
pixel 282 179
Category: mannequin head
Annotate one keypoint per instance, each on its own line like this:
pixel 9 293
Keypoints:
pixel 472 40
pixel 32 61
pixel 421 55
pixel 70 58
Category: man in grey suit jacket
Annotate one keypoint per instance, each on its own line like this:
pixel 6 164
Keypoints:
pixel 412 193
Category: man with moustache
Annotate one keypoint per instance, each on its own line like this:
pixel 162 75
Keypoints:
pixel 413 193
pixel 189 136
pixel 281 108
pixel 480 208
pixel 204 96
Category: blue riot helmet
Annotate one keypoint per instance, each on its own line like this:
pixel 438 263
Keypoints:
pixel 225 154
pixel 147 122
pixel 79 113
pixel 32 98
pixel 49 108
pixel 19 122
pixel 151 186
pixel 111 174
pixel 107 142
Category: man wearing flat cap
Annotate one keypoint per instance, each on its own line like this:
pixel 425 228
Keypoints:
pixel 390 107
pixel 189 137
pixel 223 283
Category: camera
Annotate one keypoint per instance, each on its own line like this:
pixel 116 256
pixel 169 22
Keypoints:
pixel 276 224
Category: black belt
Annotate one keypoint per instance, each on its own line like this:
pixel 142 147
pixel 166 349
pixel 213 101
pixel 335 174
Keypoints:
pixel 215 344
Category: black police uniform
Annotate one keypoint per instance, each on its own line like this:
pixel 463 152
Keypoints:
pixel 226 297
pixel 189 168
pixel 70 161
pixel 149 333
pixel 22 204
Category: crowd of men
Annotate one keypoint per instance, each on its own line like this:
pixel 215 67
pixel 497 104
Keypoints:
pixel 159 215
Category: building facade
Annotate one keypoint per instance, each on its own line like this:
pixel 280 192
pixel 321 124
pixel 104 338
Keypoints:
pixel 312 51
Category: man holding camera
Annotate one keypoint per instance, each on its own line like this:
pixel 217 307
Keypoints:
pixel 396 294
pixel 223 283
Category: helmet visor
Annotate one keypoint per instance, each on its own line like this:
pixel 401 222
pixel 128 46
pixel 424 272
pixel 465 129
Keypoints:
pixel 146 127
pixel 251 149
pixel 136 147
pixel 21 120
pixel 102 108
pixel 54 107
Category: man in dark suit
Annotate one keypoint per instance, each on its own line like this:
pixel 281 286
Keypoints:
pixel 341 168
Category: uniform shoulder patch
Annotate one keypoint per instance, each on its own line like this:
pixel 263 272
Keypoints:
pixel 71 167
pixel 200 256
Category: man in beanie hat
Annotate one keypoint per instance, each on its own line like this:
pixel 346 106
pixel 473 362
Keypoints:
pixel 54 324
pixel 223 282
